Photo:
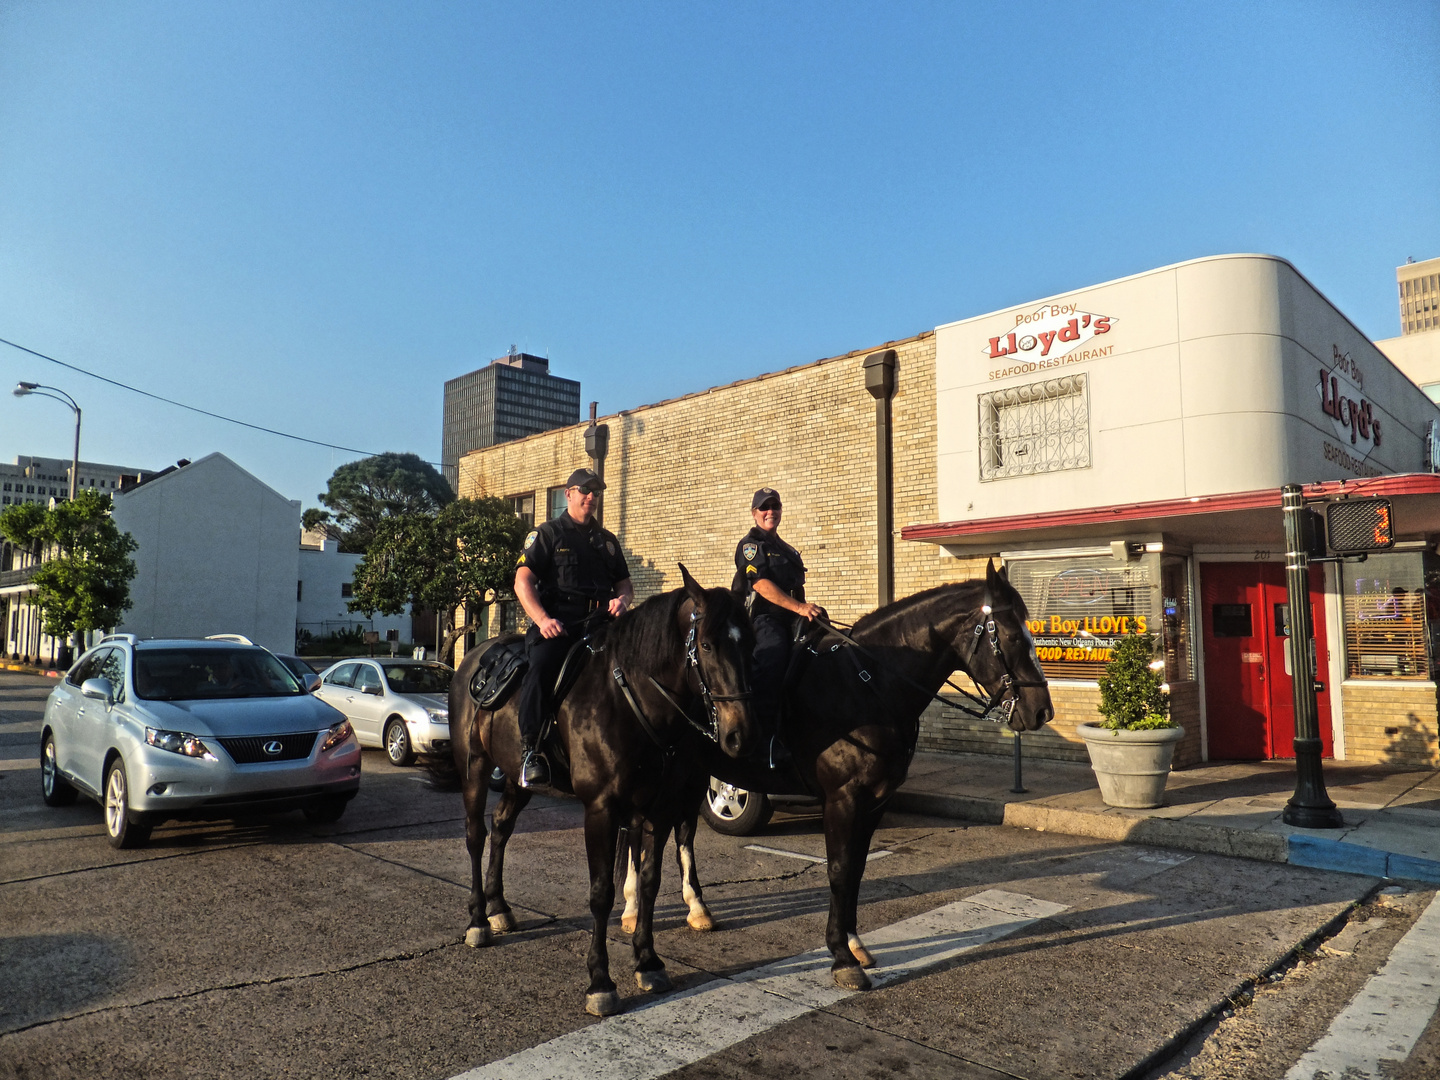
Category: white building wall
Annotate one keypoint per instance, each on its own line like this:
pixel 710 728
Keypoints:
pixel 217 554
pixel 1206 380
pixel 321 607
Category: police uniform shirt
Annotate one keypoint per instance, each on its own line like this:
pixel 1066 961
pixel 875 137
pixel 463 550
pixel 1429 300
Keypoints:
pixel 575 564
pixel 764 555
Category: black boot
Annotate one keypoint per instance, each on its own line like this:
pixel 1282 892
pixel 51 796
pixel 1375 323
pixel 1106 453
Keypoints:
pixel 534 769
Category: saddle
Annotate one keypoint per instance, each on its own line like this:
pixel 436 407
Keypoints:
pixel 503 667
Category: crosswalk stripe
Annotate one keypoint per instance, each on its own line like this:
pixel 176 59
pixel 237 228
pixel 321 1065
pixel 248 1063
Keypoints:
pixel 665 1035
pixel 1388 1016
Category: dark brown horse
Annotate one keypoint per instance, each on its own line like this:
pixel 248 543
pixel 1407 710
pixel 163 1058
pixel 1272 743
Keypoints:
pixel 853 719
pixel 633 759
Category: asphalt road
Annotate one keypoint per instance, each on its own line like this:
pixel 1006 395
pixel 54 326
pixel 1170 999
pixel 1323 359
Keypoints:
pixel 284 949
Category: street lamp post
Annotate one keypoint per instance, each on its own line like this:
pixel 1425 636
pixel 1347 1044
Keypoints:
pixel 27 388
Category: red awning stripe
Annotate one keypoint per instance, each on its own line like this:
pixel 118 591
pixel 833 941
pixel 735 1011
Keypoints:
pixel 1380 486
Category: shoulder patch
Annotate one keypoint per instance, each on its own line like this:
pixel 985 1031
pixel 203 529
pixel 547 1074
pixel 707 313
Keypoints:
pixel 610 546
pixel 531 538
pixel 749 551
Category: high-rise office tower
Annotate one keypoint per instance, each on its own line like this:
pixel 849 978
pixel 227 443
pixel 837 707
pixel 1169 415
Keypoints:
pixel 507 399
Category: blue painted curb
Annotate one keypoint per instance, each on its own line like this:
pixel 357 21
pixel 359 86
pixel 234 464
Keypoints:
pixel 1353 859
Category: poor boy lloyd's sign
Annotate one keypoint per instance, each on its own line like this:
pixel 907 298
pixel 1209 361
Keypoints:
pixel 1090 637
pixel 1047 337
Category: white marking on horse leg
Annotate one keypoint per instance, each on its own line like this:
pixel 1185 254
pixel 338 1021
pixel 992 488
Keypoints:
pixel 861 954
pixel 699 917
pixel 631 916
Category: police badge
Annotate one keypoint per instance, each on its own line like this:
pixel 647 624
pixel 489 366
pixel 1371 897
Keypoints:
pixel 749 551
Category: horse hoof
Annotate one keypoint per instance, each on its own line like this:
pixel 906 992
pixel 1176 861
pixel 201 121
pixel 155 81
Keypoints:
pixel 477 937
pixel 702 922
pixel 653 982
pixel 603 1004
pixel 862 955
pixel 851 978
pixel 503 923
pixel 629 922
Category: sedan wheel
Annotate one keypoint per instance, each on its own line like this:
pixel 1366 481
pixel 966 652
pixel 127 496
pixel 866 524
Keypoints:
pixel 397 742
pixel 54 788
pixel 733 810
pixel 124 829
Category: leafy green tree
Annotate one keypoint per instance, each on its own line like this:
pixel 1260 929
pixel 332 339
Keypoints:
pixel 83 582
pixel 361 494
pixel 462 555
pixel 1133 694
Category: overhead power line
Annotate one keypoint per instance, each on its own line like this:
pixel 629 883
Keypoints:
pixel 193 408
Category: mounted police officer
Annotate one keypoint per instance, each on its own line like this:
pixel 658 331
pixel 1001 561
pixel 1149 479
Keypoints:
pixel 771 575
pixel 570 569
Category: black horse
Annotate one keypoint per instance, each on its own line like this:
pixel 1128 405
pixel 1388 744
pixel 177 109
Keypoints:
pixel 633 757
pixel 853 718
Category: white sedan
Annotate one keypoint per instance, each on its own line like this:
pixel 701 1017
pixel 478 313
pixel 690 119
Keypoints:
pixel 400 705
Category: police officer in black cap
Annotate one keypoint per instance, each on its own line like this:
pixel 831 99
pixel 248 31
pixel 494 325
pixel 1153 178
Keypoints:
pixel 570 568
pixel 772 576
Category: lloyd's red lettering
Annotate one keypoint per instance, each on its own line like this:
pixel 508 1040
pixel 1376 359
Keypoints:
pixel 1083 327
pixel 1356 415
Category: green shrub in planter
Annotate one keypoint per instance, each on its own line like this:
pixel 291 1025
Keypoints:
pixel 1133 693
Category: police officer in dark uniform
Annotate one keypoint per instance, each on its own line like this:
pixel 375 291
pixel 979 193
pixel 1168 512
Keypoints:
pixel 570 568
pixel 771 575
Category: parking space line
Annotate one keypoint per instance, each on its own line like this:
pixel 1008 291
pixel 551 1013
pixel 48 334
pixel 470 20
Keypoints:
pixel 660 1037
pixel 1388 1016
pixel 808 858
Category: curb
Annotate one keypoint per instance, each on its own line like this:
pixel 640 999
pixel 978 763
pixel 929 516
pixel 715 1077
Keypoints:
pixel 27 669
pixel 1297 850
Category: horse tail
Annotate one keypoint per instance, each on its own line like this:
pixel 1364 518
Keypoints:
pixel 444 773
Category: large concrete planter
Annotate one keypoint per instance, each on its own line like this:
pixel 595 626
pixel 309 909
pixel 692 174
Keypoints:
pixel 1132 766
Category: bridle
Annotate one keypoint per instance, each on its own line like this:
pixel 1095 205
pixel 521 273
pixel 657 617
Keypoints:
pixel 711 728
pixel 983 705
pixel 1010 684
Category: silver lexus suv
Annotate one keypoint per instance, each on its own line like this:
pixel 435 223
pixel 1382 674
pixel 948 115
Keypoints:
pixel 154 730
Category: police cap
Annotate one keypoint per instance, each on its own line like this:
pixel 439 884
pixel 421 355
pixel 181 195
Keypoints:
pixel 763 496
pixel 585 478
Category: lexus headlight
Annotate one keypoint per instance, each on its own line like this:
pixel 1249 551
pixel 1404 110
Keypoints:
pixel 337 734
pixel 179 742
pixel 440 716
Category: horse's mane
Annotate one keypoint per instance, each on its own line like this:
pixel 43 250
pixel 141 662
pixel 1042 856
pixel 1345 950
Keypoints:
pixel 645 633
pixel 900 609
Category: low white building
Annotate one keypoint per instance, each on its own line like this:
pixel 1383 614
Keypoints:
pixel 216 554
pixel 324 588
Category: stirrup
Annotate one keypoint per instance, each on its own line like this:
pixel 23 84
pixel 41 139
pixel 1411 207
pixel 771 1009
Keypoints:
pixel 534 770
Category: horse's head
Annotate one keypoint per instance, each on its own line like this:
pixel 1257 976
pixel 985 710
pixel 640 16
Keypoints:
pixel 1000 655
pixel 721 651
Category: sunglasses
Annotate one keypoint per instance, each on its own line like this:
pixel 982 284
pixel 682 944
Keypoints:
pixel 589 489
pixel 769 506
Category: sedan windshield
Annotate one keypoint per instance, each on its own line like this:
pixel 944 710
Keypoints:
pixel 208 674
pixel 418 678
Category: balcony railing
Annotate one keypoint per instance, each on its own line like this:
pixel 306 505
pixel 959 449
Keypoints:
pixel 11 578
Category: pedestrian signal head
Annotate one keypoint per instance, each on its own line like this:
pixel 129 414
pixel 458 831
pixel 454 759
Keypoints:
pixel 1354 526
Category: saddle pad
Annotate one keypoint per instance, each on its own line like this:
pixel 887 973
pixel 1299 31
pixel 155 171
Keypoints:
pixel 500 671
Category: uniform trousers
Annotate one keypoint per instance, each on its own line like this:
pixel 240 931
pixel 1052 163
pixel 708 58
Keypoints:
pixel 546 657
pixel 773 639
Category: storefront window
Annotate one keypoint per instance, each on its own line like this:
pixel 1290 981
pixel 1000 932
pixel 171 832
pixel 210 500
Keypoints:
pixel 1386 600
pixel 1080 608
pixel 1175 618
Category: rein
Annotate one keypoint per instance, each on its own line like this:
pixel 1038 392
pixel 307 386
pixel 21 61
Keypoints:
pixel 692 662
pixel 984 630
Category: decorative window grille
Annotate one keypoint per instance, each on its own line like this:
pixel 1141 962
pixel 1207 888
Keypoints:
pixel 1040 428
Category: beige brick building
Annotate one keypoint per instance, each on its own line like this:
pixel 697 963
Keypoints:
pixel 1136 472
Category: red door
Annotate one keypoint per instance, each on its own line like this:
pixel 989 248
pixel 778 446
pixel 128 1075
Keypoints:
pixel 1249 707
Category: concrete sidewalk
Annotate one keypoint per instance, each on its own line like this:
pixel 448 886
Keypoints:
pixel 1391 813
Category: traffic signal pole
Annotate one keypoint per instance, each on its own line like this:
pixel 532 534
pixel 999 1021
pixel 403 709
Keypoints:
pixel 1310 807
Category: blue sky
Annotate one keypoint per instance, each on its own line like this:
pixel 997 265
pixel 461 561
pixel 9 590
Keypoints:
pixel 309 215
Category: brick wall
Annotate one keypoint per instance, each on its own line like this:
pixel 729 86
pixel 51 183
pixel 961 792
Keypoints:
pixel 1393 724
